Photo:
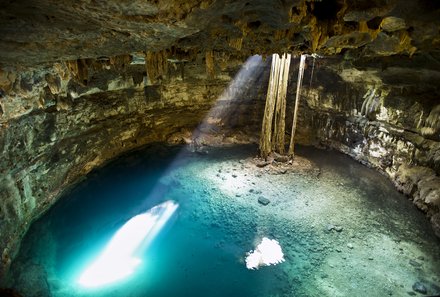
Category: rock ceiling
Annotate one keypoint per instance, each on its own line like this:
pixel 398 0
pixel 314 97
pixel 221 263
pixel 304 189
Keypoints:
pixel 44 31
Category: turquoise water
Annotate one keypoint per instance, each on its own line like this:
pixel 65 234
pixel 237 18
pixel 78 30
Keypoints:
pixel 202 248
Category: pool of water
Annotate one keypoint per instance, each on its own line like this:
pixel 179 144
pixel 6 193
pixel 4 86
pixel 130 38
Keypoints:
pixel 343 229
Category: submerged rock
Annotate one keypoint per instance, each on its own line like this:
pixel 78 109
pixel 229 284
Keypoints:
pixel 263 200
pixel 415 263
pixel 330 227
pixel 419 287
pixel 338 228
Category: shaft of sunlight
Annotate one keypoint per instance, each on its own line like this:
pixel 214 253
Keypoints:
pixel 122 255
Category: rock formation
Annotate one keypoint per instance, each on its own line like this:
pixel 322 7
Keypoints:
pixel 84 81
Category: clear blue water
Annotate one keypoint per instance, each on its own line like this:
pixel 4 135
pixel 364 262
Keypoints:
pixel 201 250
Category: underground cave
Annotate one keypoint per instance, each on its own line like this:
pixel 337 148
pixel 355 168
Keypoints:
pixel 219 148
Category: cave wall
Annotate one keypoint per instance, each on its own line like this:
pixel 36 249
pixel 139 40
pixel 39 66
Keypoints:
pixel 84 81
pixel 384 113
pixel 58 123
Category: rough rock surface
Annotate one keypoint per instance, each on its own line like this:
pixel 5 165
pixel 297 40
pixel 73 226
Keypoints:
pixel 52 134
pixel 387 122
pixel 45 31
pixel 84 81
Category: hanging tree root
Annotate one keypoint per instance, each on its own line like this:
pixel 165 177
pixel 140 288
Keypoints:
pixel 272 137
pixel 295 112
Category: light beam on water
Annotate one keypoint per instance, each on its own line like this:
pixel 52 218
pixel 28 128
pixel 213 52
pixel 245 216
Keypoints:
pixel 121 256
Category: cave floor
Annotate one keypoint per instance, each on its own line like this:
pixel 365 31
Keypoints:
pixel 343 228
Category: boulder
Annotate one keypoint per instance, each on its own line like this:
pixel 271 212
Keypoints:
pixel 263 200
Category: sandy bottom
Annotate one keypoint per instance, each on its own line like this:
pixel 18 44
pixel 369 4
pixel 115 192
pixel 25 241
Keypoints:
pixel 343 228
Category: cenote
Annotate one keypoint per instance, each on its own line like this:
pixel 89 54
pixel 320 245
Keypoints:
pixel 343 228
pixel 219 148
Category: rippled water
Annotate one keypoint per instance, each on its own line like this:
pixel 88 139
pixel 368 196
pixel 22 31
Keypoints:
pixel 343 229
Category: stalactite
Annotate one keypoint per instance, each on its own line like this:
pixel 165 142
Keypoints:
pixel 120 62
pixel 311 74
pixel 295 112
pixel 315 33
pixel 405 43
pixel 222 59
pixel 236 43
pixel 368 100
pixel 297 13
pixel 182 70
pixel 156 65
pixel 432 122
pixel 280 34
pixel 79 70
pixel 210 66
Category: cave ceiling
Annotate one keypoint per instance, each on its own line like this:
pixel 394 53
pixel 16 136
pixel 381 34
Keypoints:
pixel 34 32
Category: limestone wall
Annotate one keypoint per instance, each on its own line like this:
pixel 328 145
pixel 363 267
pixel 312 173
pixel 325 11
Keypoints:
pixel 59 123
pixel 385 118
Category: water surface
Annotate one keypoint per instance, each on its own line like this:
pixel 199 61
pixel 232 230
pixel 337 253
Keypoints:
pixel 343 228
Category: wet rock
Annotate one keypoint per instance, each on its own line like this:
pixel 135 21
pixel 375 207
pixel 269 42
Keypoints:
pixel 329 227
pixel 435 221
pixel 350 246
pixel 280 158
pixel 263 200
pixel 261 163
pixel 338 228
pixel 415 263
pixel 281 171
pixel 419 287
pixel 33 281
pixel 435 289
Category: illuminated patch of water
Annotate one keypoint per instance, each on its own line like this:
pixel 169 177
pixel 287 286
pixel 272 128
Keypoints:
pixel 338 229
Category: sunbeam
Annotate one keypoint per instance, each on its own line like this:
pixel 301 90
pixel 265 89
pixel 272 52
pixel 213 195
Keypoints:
pixel 122 255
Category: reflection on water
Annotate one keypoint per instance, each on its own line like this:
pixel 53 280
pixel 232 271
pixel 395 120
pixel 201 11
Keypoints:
pixel 267 253
pixel 343 232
